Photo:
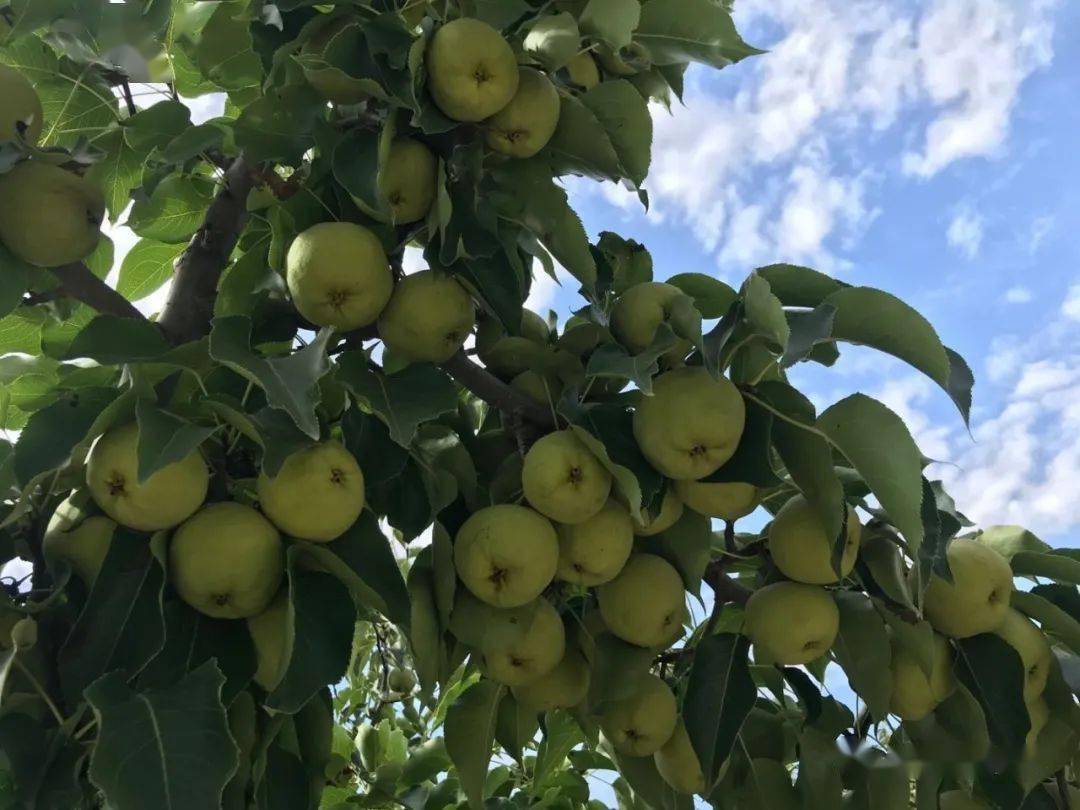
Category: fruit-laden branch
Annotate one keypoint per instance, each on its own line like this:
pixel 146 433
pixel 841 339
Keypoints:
pixel 76 281
pixel 190 305
pixel 497 393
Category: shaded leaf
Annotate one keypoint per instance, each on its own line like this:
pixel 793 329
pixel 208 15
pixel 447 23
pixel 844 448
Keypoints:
pixel 470 733
pixel 862 649
pixel 165 438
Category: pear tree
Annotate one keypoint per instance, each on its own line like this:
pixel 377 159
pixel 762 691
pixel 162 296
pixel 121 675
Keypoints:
pixel 302 507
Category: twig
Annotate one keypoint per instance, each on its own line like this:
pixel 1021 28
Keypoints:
pixel 34 682
pixel 724 588
pixel 128 99
pixel 79 283
pixel 495 392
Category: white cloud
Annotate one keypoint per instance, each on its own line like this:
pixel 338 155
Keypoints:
pixel 1040 229
pixel 965 232
pixel 1018 295
pixel 1070 308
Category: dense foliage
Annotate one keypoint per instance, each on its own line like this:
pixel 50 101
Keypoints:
pixel 321 533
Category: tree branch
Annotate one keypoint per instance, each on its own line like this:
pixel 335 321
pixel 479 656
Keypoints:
pixel 724 588
pixel 190 305
pixel 76 281
pixel 495 392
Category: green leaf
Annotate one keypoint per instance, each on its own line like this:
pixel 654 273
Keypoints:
pixel 712 297
pixel 1053 620
pixel 280 125
pixel 764 312
pixel 553 40
pixel 808 331
pixel 989 667
pixel 118 172
pixel 162 749
pixel 53 432
pixel 515 726
pixel 225 53
pixel 1008 540
pixel 174 211
pixel 113 340
pixel 626 120
pixel 688 546
pixel 886 567
pixel 955 732
pixel 356 166
pixel 799 286
pixel 290 383
pixel 146 267
pixel 862 650
pixel 1053 565
pixel 14 279
pixel 613 360
pixel 561 734
pixel 719 695
pixel 470 733
pixel 677 31
pixel 878 444
pixel 426 632
pixel 611 21
pixel 191 143
pixel 581 144
pixel 416 394
pixel 752 461
pixel 165 438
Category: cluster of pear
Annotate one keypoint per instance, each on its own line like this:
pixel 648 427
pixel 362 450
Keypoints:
pixel 48 216
pixel 226 558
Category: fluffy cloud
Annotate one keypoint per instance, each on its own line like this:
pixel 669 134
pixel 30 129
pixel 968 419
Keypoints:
pixel 965 232
pixel 1018 295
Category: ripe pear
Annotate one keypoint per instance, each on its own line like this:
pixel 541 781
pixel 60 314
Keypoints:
pixel 728 501
pixel 645 603
pixel 79 536
pixel 563 480
pixel 1029 641
pixel 21 115
pixel 406 183
pixel 269 631
pixel 472 71
pixel 532 654
pixel 639 724
pixel 639 311
pixel 165 499
pixel 671 509
pixel 512 355
pixel 914 695
pixel 49 217
pixel 801 549
pixel 316 495
pixel 791 623
pixel 331 45
pixel 678 763
pixel 583 71
pixel 428 318
pixel 563 688
pixel 691 424
pixel 977 600
pixel 959 800
pixel 338 275
pixel 594 552
pixel 506 554
pixel 543 389
pixel 226 561
pixel 525 125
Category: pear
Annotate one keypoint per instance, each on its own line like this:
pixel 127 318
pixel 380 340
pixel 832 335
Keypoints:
pixel 791 623
pixel 316 495
pixel 563 688
pixel 406 183
pixel 639 724
pixel 542 389
pixel 338 275
pixel 525 125
pixel 165 499
pixel 563 480
pixel 678 763
pixel 532 654
pixel 582 70
pixel 269 631
pixel 506 554
pixel 79 536
pixel 472 71
pixel 801 549
pixel 49 217
pixel 594 552
pixel 21 115
pixel 727 501
pixel 490 332
pixel 977 600
pixel 507 356
pixel 226 561
pixel 691 424
pixel 914 695
pixel 428 318
pixel 638 313
pixel 645 603
pixel 671 509
pixel 1033 648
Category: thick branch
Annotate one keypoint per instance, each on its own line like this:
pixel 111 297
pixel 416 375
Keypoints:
pixel 190 305
pixel 724 588
pixel 495 392
pixel 76 281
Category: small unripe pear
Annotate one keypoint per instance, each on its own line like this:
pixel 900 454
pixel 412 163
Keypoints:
pixel 21 115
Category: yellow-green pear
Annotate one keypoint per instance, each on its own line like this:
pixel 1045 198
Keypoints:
pixel 525 125
pixel 269 631
pixel 79 536
pixel 638 313
pixel 801 549
pixel 512 355
pixel 563 688
pixel 1033 648
pixel 49 217
pixel 678 763
pixel 165 499
pixel 428 318
pixel 316 495
pixel 543 389
pixel 406 183
pixel 728 501
pixel 791 623
pixel 21 115
pixel 671 509
pixel 532 654
pixel 331 45
pixel 594 551
pixel 226 561
pixel 645 603
pixel 401 681
pixel 338 275
pixel 563 480
pixel 506 554
pixel 691 424
pixel 583 71
pixel 914 695
pixel 472 72
pixel 639 724
pixel 977 600
pixel 959 800
pixel 490 332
